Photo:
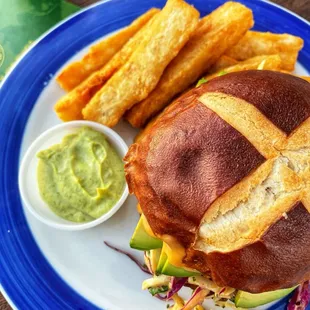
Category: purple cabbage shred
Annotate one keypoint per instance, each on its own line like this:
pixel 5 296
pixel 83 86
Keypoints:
pixel 141 266
pixel 301 297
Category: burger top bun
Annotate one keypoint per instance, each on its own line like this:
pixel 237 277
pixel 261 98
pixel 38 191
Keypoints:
pixel 223 177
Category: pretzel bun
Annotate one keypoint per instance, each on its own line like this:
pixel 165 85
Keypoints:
pixel 223 177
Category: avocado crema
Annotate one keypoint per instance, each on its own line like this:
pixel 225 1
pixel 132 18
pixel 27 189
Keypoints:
pixel 82 177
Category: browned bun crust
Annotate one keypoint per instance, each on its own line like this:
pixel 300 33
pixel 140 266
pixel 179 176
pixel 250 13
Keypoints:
pixel 282 98
pixel 280 259
pixel 196 151
pixel 192 166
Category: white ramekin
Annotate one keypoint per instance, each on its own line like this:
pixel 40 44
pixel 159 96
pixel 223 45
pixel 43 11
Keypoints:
pixel 28 185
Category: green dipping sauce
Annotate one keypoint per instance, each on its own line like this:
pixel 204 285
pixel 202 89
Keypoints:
pixel 81 178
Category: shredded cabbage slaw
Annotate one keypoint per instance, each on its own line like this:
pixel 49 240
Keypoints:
pixel 166 288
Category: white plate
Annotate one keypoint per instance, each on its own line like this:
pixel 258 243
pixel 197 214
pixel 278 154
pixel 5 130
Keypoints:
pixel 103 277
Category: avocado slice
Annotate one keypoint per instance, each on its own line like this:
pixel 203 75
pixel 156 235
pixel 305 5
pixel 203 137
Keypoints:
pixel 248 300
pixel 141 240
pixel 164 267
pixel 162 260
pixel 171 270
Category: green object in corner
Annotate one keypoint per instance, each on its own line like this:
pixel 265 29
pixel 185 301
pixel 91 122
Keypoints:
pixel 248 300
pixel 23 21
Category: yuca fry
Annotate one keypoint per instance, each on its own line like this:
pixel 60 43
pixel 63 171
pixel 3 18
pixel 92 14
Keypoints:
pixel 269 62
pixel 217 32
pixel 100 53
pixel 167 34
pixel 266 43
pixel 307 78
pixel 70 106
pixel 222 63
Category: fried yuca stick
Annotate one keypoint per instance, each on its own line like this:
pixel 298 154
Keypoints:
pixel 167 34
pixel 223 62
pixel 307 78
pixel 70 106
pixel 217 32
pixel 268 62
pixel 266 43
pixel 100 53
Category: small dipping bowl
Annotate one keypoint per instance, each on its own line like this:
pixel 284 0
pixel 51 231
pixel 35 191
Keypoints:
pixel 28 185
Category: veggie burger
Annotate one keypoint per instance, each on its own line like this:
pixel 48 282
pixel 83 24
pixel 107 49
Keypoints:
pixel 223 180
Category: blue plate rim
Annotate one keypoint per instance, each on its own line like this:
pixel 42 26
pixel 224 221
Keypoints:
pixel 76 15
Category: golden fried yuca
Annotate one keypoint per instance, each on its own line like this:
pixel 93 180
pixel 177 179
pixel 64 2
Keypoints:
pixel 222 63
pixel 169 31
pixel 217 32
pixel 100 53
pixel 266 43
pixel 70 106
pixel 268 62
